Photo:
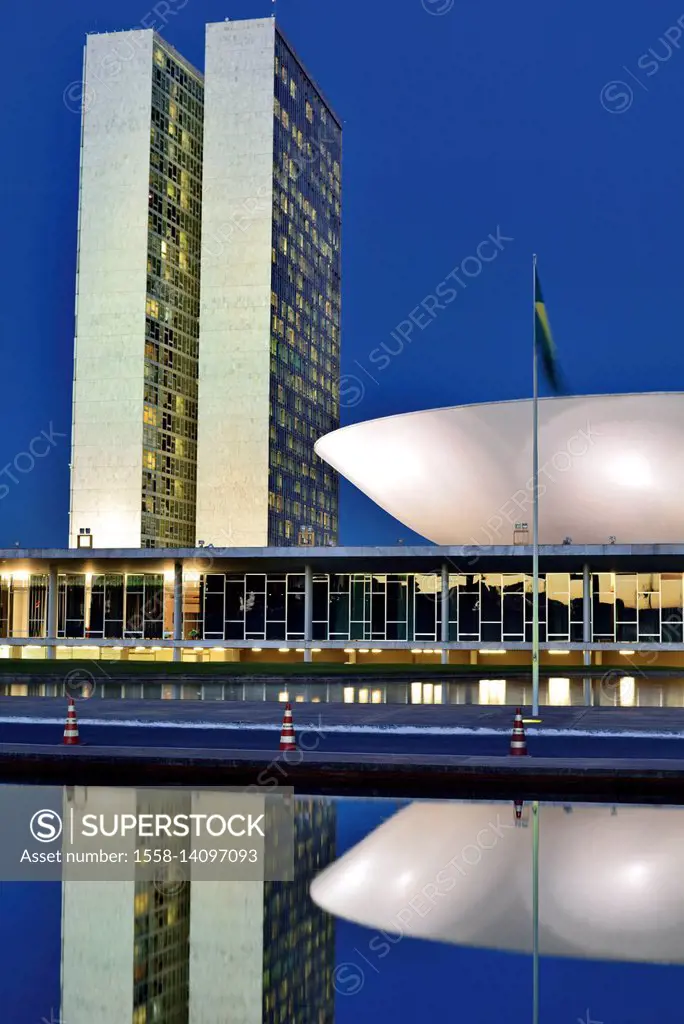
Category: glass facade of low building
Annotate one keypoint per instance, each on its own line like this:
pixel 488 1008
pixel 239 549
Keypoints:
pixel 305 307
pixel 169 477
pixel 485 608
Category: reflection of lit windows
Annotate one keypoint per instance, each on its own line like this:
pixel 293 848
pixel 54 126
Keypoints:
pixel 559 691
pixel 141 903
pixel 492 691
pixel 627 691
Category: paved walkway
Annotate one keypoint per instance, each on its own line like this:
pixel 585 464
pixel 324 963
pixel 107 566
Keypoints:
pixel 368 770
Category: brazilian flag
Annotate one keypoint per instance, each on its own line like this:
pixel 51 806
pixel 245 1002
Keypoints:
pixel 544 341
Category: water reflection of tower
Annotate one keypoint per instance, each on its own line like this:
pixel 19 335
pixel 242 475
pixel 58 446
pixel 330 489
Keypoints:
pixel 299 939
pixel 168 953
pixel 263 949
pixel 125 943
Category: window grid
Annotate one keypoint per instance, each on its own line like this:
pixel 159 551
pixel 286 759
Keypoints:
pixel 169 478
pixel 489 608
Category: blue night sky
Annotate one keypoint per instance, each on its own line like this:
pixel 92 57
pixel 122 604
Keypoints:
pixel 457 124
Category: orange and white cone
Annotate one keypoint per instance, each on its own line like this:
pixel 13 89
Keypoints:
pixel 287 733
pixel 71 728
pixel 518 741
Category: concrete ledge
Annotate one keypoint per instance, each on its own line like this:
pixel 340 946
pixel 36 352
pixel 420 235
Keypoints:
pixel 378 775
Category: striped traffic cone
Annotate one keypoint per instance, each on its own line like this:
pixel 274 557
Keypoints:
pixel 71 736
pixel 518 741
pixel 287 733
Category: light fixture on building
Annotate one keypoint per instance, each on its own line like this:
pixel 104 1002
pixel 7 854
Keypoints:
pixel 559 652
pixel 257 650
pixel 612 540
pixel 567 541
pixel 364 650
pixel 283 650
pixel 486 650
pixel 315 650
pixel 349 650
pixel 376 650
pixel 626 654
pixel 416 650
pixel 299 650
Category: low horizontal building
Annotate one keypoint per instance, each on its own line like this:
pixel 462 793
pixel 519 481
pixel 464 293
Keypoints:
pixel 381 605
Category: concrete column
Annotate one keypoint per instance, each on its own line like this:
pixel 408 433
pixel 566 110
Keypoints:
pixel 586 633
pixel 19 610
pixel 177 608
pixel 445 613
pixel 51 631
pixel 308 611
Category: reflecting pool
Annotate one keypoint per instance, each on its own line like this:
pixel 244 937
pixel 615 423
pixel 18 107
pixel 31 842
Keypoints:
pixel 421 911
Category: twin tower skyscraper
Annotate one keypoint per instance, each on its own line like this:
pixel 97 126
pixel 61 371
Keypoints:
pixel 207 352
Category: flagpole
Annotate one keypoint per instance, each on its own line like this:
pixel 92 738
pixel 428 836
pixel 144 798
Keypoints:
pixel 535 912
pixel 535 502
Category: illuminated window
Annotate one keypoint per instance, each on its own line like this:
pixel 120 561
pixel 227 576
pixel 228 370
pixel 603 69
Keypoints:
pixel 348 695
pixel 309 112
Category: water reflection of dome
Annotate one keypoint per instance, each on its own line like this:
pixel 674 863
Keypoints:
pixel 609 884
pixel 610 465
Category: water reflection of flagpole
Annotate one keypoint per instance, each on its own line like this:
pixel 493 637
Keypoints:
pixel 535 912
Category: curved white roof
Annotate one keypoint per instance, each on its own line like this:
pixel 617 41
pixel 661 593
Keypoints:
pixel 462 873
pixel 610 466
